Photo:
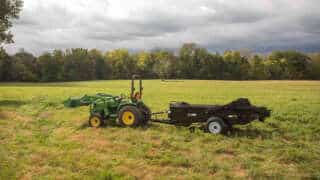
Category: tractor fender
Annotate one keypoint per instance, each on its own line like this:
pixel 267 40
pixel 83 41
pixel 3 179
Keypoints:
pixel 125 104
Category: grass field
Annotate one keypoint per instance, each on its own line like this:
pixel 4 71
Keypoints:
pixel 40 139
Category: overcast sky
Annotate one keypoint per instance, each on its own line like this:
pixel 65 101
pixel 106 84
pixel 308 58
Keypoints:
pixel 260 25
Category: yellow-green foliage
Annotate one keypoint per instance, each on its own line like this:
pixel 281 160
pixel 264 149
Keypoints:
pixel 41 139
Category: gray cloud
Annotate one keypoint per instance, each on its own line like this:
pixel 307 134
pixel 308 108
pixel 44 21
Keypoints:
pixel 215 24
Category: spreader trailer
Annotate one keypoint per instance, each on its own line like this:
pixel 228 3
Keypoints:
pixel 132 111
pixel 215 118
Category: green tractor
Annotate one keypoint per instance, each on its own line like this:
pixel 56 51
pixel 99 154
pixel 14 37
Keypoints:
pixel 129 112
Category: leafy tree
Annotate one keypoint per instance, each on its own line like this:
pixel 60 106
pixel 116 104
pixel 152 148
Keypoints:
pixel 314 72
pixel 258 71
pixel 24 67
pixel 188 64
pixel 101 67
pixel 212 67
pixel 145 64
pixel 200 58
pixel 236 66
pixel 9 10
pixel 122 64
pixel 5 65
pixel 50 66
pixel 165 64
pixel 78 65
pixel 276 69
pixel 293 64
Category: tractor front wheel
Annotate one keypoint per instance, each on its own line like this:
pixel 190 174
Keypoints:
pixel 95 120
pixel 130 116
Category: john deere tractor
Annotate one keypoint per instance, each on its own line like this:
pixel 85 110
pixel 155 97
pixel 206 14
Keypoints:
pixel 126 111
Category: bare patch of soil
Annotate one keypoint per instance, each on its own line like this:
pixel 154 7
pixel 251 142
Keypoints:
pixel 97 143
pixel 226 155
pixel 11 115
pixel 45 115
pixel 239 172
pixel 142 171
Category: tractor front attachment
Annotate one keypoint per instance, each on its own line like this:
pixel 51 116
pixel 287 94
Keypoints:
pixel 85 100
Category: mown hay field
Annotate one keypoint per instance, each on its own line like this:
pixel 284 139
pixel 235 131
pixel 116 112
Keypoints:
pixel 40 139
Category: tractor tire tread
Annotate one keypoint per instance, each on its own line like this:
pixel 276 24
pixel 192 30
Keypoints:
pixel 137 113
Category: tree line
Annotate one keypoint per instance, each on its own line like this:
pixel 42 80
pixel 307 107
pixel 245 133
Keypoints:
pixel 189 62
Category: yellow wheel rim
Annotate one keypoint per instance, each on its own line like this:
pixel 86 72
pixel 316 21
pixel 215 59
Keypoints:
pixel 95 122
pixel 128 118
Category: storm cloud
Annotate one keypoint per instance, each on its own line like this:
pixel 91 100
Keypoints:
pixel 260 25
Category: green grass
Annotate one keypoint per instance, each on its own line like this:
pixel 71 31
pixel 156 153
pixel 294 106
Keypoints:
pixel 40 139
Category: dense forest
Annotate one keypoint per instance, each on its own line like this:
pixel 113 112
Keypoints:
pixel 189 62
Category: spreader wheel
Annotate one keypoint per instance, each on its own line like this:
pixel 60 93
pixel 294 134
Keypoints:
pixel 95 120
pixel 130 116
pixel 216 125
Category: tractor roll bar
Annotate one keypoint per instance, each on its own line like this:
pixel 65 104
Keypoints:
pixel 134 77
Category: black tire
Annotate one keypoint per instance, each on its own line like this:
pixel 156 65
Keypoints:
pixel 216 125
pixel 96 120
pixel 146 115
pixel 130 116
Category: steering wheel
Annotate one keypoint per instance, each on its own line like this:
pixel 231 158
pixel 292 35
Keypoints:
pixel 123 96
pixel 119 98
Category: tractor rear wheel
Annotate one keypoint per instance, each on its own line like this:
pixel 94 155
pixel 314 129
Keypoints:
pixel 146 115
pixel 95 120
pixel 130 116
